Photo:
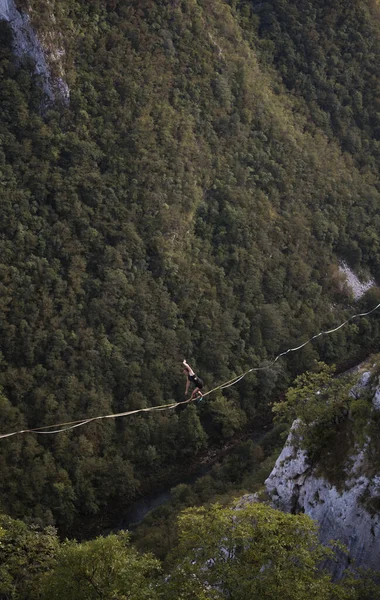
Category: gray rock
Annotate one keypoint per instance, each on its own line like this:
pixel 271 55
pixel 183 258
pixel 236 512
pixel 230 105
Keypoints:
pixel 361 385
pixel 376 399
pixel 357 287
pixel 294 487
pixel 26 43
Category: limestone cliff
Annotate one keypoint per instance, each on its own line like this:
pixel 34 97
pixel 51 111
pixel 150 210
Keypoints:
pixel 296 486
pixel 26 43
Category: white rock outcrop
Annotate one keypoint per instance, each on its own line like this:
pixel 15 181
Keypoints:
pixel 26 43
pixel 293 486
pixel 357 287
pixel 376 399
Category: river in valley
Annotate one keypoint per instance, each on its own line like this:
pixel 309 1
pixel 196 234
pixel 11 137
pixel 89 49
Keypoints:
pixel 142 507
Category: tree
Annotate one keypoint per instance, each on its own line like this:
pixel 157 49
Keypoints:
pixel 105 568
pixel 191 437
pixel 250 552
pixel 182 202
pixel 320 401
pixel 228 418
pixel 25 553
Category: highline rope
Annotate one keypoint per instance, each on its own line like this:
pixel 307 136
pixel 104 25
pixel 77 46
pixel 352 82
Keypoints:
pixel 61 427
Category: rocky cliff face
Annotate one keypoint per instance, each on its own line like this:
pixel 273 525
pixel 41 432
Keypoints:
pixel 26 43
pixel 294 486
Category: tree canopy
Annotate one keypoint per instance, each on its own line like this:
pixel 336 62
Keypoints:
pixel 193 199
pixel 251 551
pixel 240 553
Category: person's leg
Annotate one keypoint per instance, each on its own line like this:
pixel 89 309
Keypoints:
pixel 195 393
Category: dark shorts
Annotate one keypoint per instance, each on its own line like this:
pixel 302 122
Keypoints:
pixel 198 382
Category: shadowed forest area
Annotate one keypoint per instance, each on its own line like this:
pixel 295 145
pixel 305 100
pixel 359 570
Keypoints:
pixel 215 163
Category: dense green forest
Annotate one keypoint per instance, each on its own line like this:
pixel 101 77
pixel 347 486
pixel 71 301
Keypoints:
pixel 266 554
pixel 215 162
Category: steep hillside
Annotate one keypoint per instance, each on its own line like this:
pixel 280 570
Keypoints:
pixel 334 476
pixel 326 55
pixel 182 204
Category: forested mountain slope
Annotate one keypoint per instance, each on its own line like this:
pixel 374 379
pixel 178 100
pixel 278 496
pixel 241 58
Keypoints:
pixel 327 54
pixel 186 203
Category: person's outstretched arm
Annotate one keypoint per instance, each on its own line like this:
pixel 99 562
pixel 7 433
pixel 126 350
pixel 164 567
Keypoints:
pixel 187 366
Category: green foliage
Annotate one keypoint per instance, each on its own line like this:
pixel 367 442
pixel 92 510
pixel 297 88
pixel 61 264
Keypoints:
pixel 250 552
pixel 244 467
pixel 192 437
pixel 25 554
pixel 228 418
pixel 185 203
pixel 240 552
pixel 324 55
pixel 104 568
pixel 320 402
